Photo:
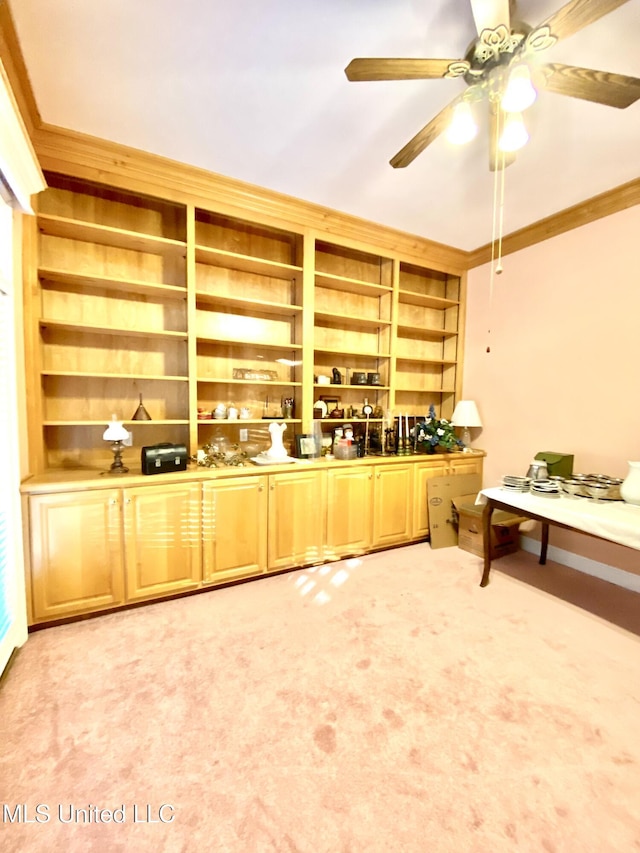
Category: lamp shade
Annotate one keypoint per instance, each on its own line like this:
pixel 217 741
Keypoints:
pixel 115 431
pixel 466 414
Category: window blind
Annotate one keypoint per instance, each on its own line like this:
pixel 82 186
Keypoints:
pixel 6 398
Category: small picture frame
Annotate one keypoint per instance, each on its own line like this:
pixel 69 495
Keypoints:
pixel 332 403
pixel 305 445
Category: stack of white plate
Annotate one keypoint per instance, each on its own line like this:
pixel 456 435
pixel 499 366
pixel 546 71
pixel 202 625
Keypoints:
pixel 547 488
pixel 516 484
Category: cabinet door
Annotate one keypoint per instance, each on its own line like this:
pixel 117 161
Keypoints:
pixel 349 512
pixel 162 527
pixel 392 504
pixel 424 471
pixel 466 464
pixel 234 528
pixel 296 518
pixel 76 553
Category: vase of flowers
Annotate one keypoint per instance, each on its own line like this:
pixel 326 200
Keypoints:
pixel 436 434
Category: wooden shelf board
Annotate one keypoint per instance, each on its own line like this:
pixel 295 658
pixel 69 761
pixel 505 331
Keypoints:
pixel 350 321
pixel 439 361
pixel 254 306
pixel 424 334
pixel 241 421
pixel 260 382
pixel 411 298
pixel 89 328
pixel 358 353
pixel 74 229
pixel 352 387
pixel 352 285
pixel 245 263
pixel 413 390
pixel 165 291
pixel 105 423
pixel 244 344
pixel 77 374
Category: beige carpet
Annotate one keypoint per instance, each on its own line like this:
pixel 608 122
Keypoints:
pixel 387 704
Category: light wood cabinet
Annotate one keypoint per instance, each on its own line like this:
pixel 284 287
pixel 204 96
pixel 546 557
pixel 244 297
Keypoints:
pixel 234 528
pixel 127 294
pixel 392 498
pixel 297 503
pixel 100 547
pixel 427 340
pixel 110 315
pixel 162 535
pixel 248 324
pixel 76 553
pixel 349 512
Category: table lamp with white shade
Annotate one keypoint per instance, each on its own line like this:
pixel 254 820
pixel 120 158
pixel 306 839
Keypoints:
pixel 466 415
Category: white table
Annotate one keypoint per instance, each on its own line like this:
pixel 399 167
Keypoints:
pixel 615 521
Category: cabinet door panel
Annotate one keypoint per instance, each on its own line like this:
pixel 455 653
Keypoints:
pixel 76 553
pixel 463 464
pixel 349 512
pixel 423 472
pixel 162 539
pixel 296 518
pixel 392 504
pixel 234 528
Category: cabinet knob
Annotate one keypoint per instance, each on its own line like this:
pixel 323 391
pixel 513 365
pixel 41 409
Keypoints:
pixel 371 476
pixel 127 500
pixel 261 488
pixel 378 475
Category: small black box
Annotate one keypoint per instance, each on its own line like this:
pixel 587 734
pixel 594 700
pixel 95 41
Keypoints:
pixel 162 458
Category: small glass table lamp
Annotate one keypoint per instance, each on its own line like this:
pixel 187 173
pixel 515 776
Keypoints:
pixel 466 415
pixel 117 435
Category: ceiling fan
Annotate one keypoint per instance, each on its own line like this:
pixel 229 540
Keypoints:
pixel 503 58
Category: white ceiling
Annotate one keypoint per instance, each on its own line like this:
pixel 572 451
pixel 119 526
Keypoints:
pixel 256 90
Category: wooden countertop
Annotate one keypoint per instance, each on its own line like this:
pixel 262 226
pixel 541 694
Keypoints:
pixel 78 479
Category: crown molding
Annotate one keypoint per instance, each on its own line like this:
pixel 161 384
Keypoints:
pixel 612 201
pixel 16 70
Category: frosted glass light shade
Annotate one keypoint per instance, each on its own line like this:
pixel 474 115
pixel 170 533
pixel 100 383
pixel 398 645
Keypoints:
pixel 115 431
pixel 514 136
pixel 463 127
pixel 519 93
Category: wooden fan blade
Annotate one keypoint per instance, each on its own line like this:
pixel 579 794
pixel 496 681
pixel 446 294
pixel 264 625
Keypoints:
pixel 601 87
pixel 489 14
pixel 498 160
pixel 397 69
pixel 578 14
pixel 423 138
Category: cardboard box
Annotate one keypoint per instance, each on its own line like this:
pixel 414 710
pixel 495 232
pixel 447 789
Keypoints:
pixel 558 464
pixel 443 526
pixel 504 528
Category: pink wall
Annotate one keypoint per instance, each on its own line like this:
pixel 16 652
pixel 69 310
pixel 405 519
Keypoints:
pixel 563 373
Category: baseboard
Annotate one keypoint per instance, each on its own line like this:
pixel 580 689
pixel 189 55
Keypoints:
pixel 584 564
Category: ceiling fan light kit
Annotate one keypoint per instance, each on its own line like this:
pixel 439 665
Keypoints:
pixel 520 92
pixel 514 134
pixel 496 67
pixel 463 127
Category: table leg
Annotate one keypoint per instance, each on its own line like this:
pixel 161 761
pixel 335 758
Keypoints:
pixel 543 544
pixel 487 512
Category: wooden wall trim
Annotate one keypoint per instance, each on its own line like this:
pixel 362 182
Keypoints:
pixel 612 201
